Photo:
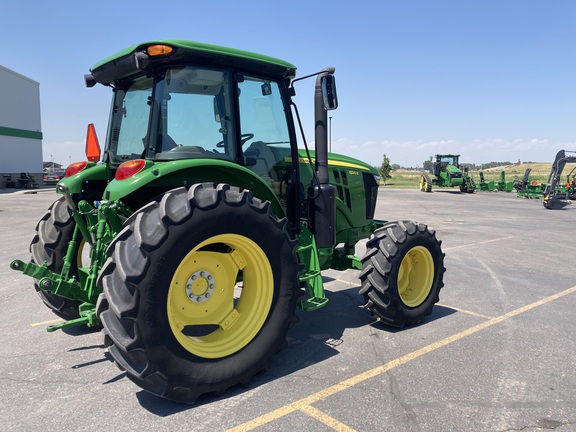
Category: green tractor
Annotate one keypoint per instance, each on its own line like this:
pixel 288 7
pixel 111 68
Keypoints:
pixel 447 173
pixel 202 226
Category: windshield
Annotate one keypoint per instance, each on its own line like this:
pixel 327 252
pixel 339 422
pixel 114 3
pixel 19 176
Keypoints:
pixel 190 117
pixel 449 160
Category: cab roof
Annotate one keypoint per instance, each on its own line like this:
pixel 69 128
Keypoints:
pixel 124 63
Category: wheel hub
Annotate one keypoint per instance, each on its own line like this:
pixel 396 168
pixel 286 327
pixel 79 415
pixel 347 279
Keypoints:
pixel 199 286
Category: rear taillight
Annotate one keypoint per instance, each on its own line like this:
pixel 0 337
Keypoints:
pixel 129 168
pixel 75 168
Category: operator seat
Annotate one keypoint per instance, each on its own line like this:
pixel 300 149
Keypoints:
pixel 265 159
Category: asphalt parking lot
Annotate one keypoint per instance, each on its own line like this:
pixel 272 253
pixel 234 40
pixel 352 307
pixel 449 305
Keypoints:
pixel 497 354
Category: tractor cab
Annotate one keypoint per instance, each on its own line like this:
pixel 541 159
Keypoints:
pixel 446 163
pixel 190 113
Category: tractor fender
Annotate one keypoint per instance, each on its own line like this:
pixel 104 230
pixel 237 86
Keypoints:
pixel 87 184
pixel 92 172
pixel 159 177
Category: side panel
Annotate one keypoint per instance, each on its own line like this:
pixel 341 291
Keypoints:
pixel 356 191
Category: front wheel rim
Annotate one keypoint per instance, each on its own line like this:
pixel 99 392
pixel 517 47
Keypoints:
pixel 415 276
pixel 220 296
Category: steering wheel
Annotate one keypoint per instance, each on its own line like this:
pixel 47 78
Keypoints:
pixel 243 138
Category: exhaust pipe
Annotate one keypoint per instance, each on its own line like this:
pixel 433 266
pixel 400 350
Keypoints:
pixel 323 194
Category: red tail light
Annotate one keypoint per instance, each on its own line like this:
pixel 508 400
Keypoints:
pixel 129 168
pixel 75 168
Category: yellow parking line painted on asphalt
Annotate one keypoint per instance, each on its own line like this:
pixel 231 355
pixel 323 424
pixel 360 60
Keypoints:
pixel 477 243
pixel 54 321
pixel 466 311
pixel 326 419
pixel 303 403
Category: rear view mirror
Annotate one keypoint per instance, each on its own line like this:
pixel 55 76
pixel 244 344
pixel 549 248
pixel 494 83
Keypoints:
pixel 329 92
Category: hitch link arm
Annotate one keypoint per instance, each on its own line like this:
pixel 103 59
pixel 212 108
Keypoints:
pixel 50 281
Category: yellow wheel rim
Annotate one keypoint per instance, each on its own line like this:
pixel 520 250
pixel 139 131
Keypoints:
pixel 83 254
pixel 415 276
pixel 421 182
pixel 210 314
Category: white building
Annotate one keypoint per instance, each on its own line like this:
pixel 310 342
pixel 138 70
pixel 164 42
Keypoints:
pixel 20 126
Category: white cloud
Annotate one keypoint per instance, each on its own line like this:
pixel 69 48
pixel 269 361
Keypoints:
pixel 437 145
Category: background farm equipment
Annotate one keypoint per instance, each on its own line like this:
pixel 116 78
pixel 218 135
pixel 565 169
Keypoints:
pixel 527 188
pixel 484 185
pixel 556 194
pixel 446 172
pixel 501 185
pixel 27 181
pixel 204 226
pixel 571 184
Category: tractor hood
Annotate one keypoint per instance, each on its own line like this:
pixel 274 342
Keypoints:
pixel 453 169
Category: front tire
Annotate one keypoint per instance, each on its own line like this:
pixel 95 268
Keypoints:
pixel 199 291
pixel 402 273
pixel 425 183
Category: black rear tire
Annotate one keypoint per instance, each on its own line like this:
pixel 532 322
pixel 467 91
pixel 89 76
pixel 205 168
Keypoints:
pixel 402 273
pixel 53 233
pixel 169 274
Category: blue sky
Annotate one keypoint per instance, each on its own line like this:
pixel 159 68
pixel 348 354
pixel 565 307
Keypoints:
pixel 492 80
